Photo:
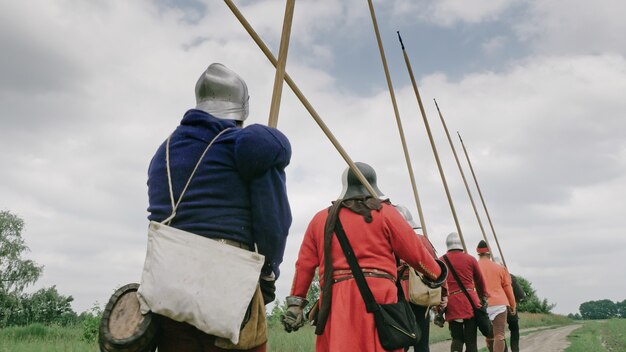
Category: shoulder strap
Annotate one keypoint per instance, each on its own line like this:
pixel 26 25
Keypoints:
pixel 366 293
pixel 458 281
pixel 169 175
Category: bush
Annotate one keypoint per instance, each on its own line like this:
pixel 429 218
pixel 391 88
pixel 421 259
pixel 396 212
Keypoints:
pixel 90 323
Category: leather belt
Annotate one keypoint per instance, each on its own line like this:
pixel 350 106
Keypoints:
pixel 461 291
pixel 367 272
pixel 233 243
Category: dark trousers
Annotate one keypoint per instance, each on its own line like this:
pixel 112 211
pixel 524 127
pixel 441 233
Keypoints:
pixel 513 321
pixel 463 333
pixel 422 316
pixel 180 337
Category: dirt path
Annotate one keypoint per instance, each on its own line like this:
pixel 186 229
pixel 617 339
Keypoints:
pixel 548 340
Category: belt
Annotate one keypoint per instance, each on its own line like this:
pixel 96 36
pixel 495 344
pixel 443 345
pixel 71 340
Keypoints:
pixel 233 243
pixel 367 272
pixel 460 291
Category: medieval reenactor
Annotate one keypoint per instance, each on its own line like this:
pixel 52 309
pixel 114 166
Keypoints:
pixel 378 234
pixel 501 298
pixel 237 194
pixel 459 312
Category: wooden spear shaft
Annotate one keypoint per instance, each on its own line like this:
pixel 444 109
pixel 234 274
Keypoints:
pixel 481 198
pixel 432 142
pixel 469 194
pixel 398 121
pixel 301 97
pixel 282 62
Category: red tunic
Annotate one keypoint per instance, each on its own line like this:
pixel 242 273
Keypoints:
pixel 349 326
pixel 468 271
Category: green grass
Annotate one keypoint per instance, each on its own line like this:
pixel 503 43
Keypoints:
pixel 41 338
pixel 609 335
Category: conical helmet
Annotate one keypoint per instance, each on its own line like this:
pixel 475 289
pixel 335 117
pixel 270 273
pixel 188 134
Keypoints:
pixel 352 186
pixel 453 241
pixel 404 211
pixel 222 93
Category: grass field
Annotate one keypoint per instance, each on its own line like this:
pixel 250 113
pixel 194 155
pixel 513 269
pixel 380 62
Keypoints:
pixel 40 338
pixel 605 335
pixel 594 336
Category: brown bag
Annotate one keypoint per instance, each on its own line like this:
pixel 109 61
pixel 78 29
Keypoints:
pixel 254 332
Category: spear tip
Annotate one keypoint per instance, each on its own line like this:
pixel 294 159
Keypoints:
pixel 400 37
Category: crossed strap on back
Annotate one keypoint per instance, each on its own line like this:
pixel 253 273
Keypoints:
pixel 169 175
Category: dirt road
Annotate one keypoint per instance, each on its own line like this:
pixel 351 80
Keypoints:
pixel 548 340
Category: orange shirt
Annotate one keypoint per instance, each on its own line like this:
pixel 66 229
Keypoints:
pixel 498 283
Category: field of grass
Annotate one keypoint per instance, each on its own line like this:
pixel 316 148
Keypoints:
pixel 41 338
pixel 606 335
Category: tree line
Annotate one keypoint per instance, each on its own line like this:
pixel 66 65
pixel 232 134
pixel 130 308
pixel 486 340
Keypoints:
pixel 17 308
pixel 601 309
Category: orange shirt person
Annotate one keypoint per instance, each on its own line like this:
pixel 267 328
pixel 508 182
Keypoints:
pixel 501 296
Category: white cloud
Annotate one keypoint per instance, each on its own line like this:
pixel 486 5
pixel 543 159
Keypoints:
pixel 451 12
pixel 574 27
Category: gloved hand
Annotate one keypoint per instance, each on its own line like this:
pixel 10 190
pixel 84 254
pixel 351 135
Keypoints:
pixel 268 288
pixel 484 302
pixel 440 280
pixel 293 319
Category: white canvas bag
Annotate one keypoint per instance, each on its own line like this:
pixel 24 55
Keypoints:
pixel 197 280
pixel 420 293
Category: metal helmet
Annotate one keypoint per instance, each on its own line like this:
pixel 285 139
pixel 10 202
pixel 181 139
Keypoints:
pixel 351 184
pixel 404 211
pixel 453 241
pixel 222 93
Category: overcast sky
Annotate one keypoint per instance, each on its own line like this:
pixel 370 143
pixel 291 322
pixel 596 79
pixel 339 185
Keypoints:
pixel 89 89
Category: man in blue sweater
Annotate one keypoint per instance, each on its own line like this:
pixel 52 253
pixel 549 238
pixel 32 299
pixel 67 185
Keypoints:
pixel 237 194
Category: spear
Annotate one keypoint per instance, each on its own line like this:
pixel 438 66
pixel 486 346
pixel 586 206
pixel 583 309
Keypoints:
pixel 398 121
pixel 282 61
pixel 301 97
pixel 482 199
pixel 469 194
pixel 432 142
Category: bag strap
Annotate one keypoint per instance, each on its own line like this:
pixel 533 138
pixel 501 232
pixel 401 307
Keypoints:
pixel 458 281
pixel 169 175
pixel 357 272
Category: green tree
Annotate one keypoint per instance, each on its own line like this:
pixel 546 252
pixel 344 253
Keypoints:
pixel 602 309
pixel 16 273
pixel 621 309
pixel 532 303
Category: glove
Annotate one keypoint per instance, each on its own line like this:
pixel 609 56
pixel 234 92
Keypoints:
pixel 440 280
pixel 293 319
pixel 268 288
pixel 484 302
pixel 439 320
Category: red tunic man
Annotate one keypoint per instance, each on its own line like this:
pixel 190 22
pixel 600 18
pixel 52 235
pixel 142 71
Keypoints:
pixel 378 233
pixel 458 311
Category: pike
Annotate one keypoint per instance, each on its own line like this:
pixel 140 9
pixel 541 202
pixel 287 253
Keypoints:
pixel 282 61
pixel 469 194
pixel 432 142
pixel 301 97
pixel 482 199
pixel 398 121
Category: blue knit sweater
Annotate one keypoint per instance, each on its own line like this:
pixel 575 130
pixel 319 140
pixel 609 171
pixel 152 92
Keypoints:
pixel 238 191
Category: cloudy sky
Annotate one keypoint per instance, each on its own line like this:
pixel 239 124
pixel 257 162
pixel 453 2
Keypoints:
pixel 537 89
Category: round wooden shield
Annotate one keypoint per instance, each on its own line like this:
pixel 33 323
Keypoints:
pixel 123 328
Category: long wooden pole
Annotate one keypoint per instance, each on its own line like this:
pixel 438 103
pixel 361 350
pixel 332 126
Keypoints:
pixel 301 97
pixel 398 121
pixel 482 199
pixel 432 142
pixel 469 194
pixel 282 61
